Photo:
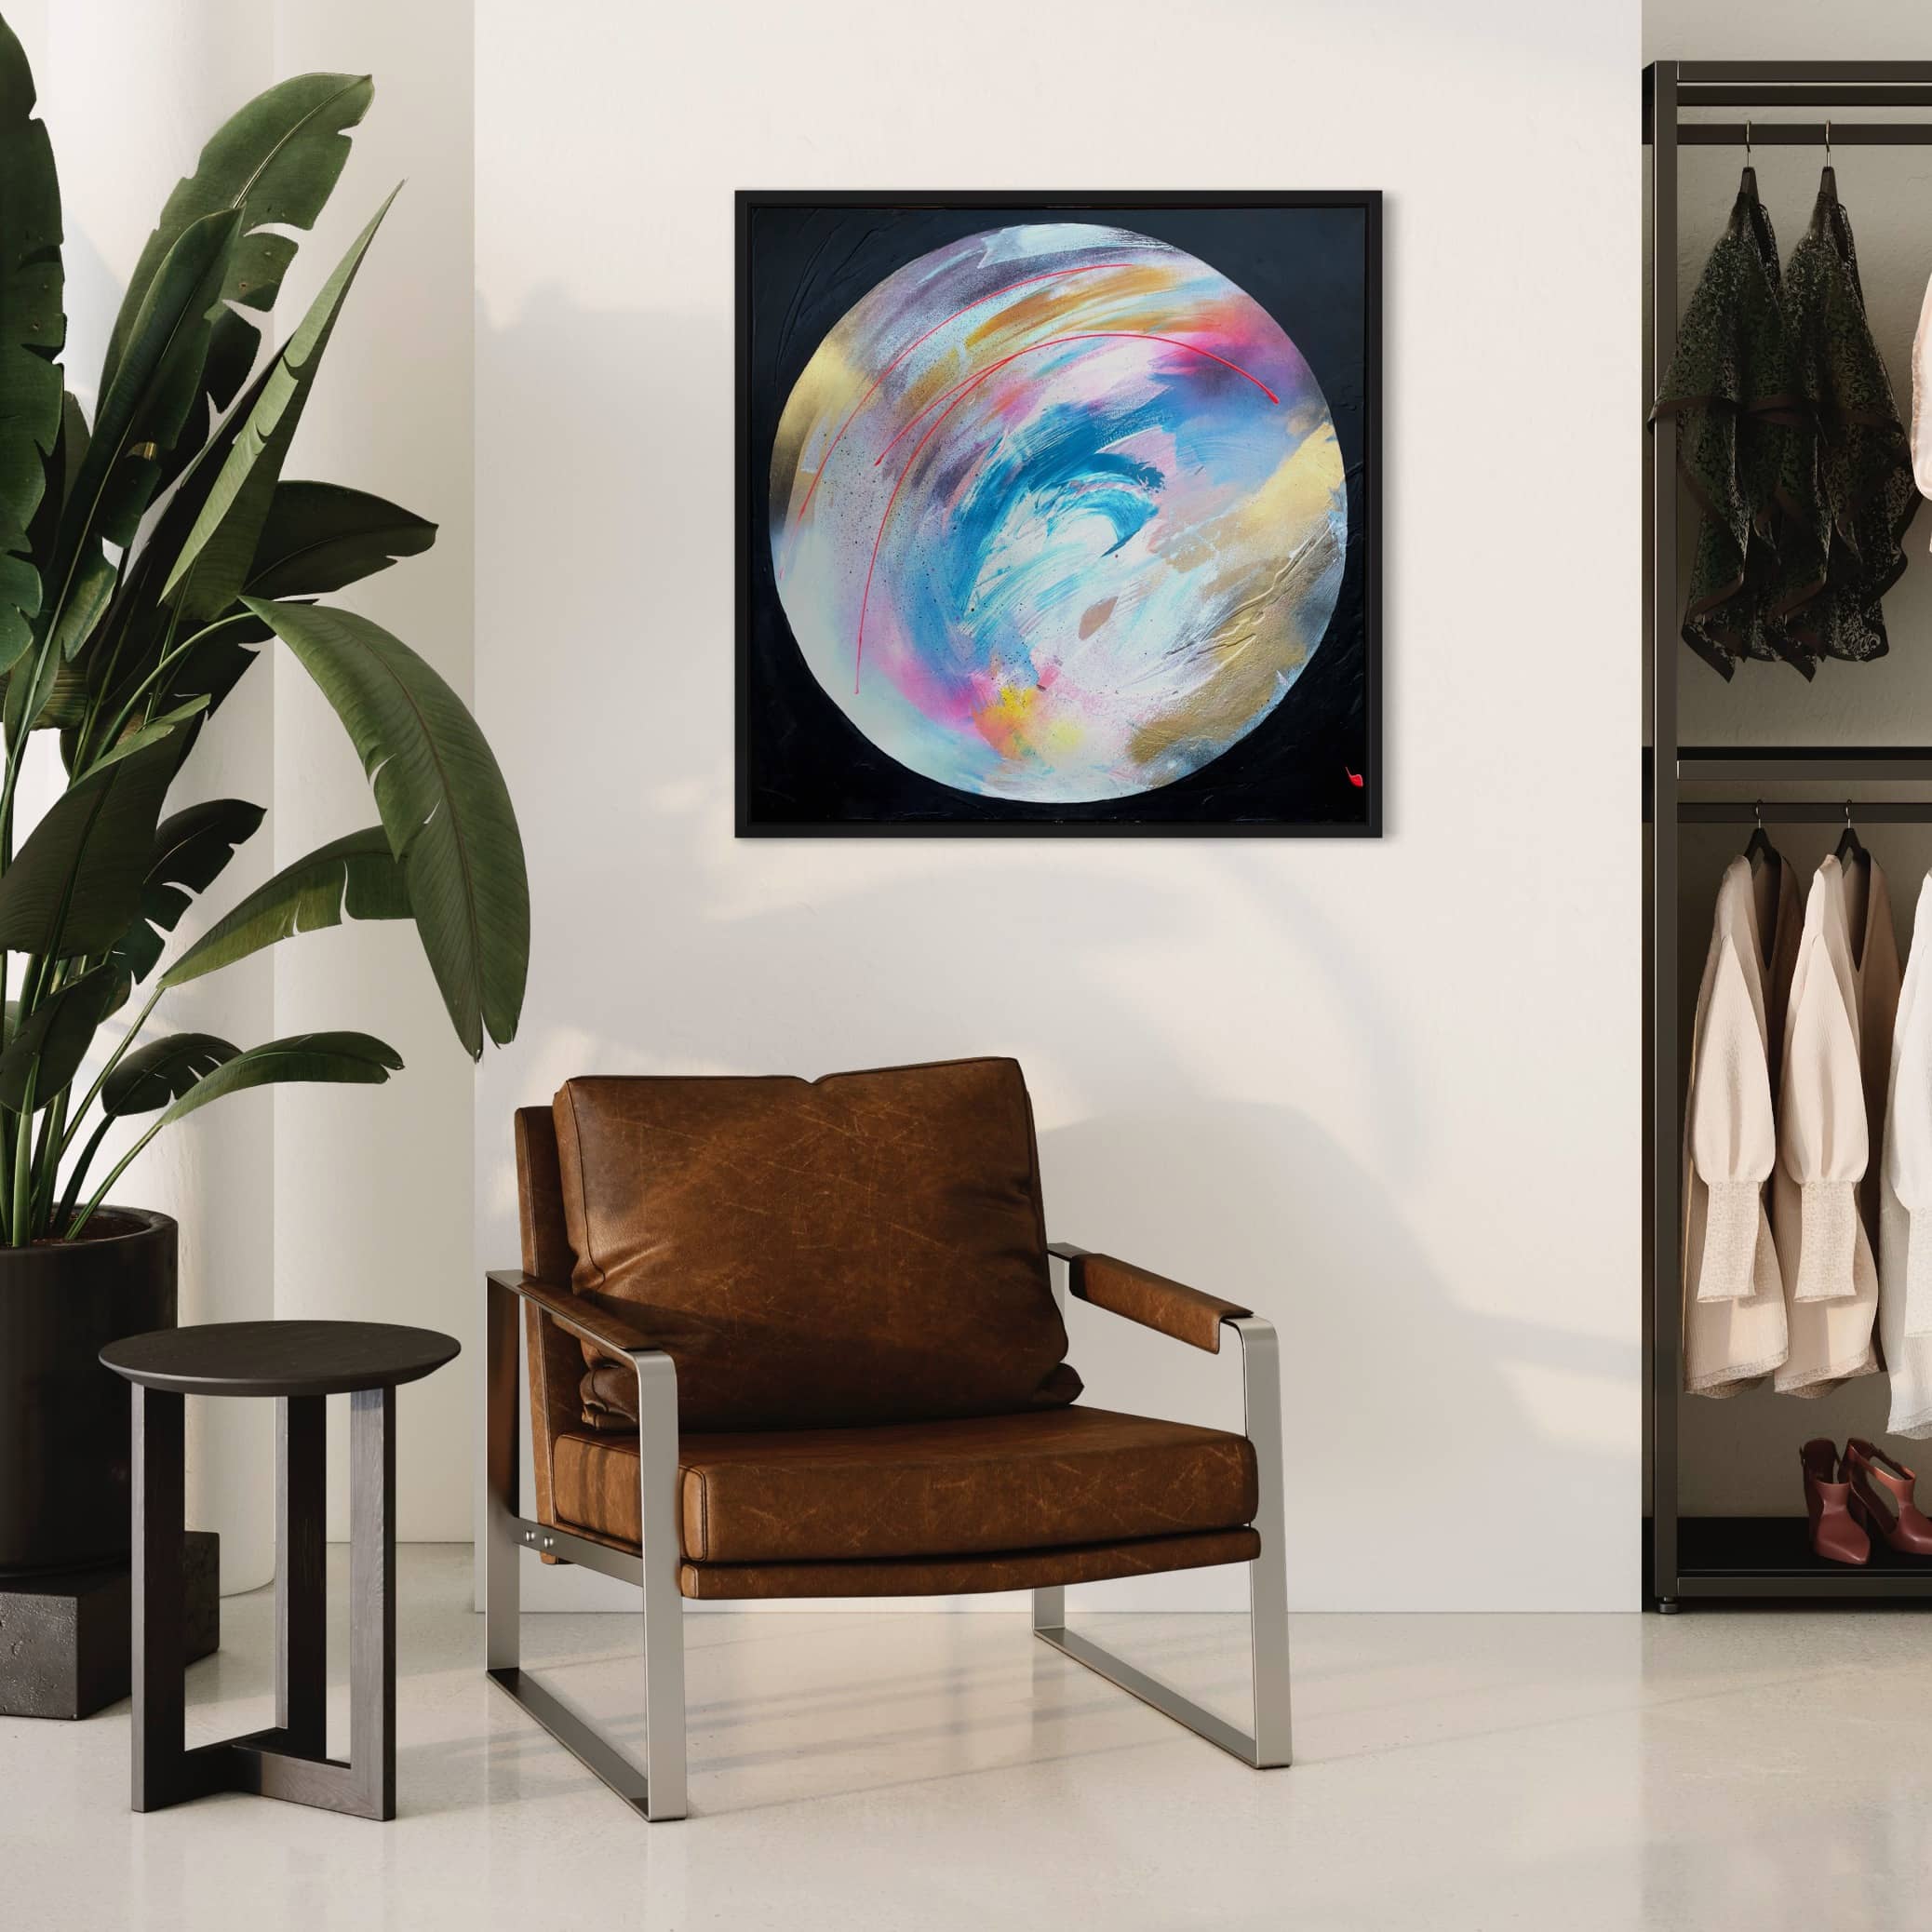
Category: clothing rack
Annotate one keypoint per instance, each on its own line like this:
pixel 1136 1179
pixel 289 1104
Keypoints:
pixel 1717 1558
pixel 1805 812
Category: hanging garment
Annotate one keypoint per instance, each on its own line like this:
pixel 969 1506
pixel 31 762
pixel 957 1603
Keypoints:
pixel 1734 1312
pixel 1874 955
pixel 1824 1252
pixel 1845 493
pixel 1905 1243
pixel 1922 398
pixel 1729 388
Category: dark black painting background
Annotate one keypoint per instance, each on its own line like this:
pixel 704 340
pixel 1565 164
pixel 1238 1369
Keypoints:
pixel 803 766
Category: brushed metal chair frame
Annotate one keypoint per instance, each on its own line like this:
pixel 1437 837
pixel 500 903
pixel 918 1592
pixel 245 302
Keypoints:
pixel 657 1790
pixel 1268 1746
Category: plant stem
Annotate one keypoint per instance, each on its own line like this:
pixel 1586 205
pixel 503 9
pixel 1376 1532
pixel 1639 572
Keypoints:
pixel 46 1158
pixel 120 1167
pixel 151 682
pixel 23 1229
pixel 114 1060
pixel 81 1162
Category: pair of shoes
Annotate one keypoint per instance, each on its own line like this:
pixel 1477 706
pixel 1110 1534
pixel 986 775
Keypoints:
pixel 1853 1498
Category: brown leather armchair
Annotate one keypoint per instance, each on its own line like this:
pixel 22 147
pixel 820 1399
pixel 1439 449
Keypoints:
pixel 800 1339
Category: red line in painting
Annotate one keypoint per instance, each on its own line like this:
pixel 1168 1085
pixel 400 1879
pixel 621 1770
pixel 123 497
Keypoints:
pixel 1025 281
pixel 1354 777
pixel 964 389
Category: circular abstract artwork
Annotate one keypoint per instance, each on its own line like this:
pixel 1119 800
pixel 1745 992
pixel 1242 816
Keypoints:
pixel 1058 514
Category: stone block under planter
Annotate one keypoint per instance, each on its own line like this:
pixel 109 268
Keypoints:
pixel 64 1643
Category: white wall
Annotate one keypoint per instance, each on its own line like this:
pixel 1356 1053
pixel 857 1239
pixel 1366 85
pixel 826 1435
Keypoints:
pixel 1388 1093
pixel 373 1202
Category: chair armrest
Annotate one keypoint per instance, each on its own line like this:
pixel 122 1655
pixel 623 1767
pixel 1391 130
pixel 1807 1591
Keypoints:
pixel 1152 1300
pixel 593 1322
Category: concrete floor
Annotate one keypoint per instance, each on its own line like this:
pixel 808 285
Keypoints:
pixel 848 1771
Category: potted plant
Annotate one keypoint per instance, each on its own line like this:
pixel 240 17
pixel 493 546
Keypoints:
pixel 145 559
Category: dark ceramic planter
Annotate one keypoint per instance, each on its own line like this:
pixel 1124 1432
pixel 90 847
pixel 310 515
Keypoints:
pixel 64 1419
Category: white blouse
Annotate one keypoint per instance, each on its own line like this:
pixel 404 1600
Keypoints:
pixel 1922 398
pixel 1840 992
pixel 1905 1242
pixel 1734 1325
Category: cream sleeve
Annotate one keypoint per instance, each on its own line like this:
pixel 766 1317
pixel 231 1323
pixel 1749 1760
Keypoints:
pixel 1922 398
pixel 1732 1138
pixel 1908 1150
pixel 1821 1132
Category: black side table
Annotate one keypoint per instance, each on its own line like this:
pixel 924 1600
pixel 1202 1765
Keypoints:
pixel 298 1362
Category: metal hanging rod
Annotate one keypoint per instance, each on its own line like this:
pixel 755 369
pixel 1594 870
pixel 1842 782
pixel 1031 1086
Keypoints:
pixel 1850 80
pixel 1804 134
pixel 1805 95
pixel 1788 812
pixel 1776 764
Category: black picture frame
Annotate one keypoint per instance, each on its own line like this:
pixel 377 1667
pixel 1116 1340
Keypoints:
pixel 778 702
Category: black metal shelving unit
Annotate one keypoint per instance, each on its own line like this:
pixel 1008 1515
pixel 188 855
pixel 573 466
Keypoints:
pixel 1706 1558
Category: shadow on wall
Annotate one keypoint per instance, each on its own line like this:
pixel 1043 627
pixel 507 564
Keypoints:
pixel 1381 1362
pixel 1139 982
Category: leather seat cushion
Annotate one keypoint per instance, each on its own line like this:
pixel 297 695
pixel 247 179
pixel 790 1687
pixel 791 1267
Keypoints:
pixel 965 1575
pixel 1038 1480
pixel 867 1247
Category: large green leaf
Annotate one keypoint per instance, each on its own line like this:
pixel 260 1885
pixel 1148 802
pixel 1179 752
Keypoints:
pixel 357 876
pixel 276 161
pixel 139 416
pixel 32 330
pixel 163 1071
pixel 303 1056
pixel 320 536
pixel 53 1039
pixel 191 848
pixel 75 886
pixel 443 804
pixel 213 564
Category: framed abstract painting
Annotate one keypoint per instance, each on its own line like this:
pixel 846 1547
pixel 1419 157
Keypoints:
pixel 1059 513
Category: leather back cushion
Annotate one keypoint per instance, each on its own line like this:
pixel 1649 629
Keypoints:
pixel 867 1247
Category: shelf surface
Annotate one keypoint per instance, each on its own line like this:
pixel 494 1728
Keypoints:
pixel 1770 1556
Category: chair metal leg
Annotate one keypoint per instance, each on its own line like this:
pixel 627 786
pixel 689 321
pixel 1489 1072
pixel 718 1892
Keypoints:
pixel 501 1540
pixel 658 1790
pixel 1267 1746
pixel 663 1608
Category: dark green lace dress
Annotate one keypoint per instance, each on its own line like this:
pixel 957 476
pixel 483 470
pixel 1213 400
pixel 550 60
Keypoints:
pixel 1847 492
pixel 1729 388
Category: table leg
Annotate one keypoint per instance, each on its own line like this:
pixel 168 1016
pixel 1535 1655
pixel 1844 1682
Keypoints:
pixel 372 1598
pixel 301 1575
pixel 159 1599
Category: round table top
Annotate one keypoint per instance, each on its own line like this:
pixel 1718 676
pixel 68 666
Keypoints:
pixel 279 1358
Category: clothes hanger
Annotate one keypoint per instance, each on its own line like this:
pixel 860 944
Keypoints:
pixel 1748 180
pixel 1850 852
pixel 1760 852
pixel 1828 181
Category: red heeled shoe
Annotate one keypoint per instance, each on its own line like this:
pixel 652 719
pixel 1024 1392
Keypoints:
pixel 1834 1536
pixel 1882 1501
